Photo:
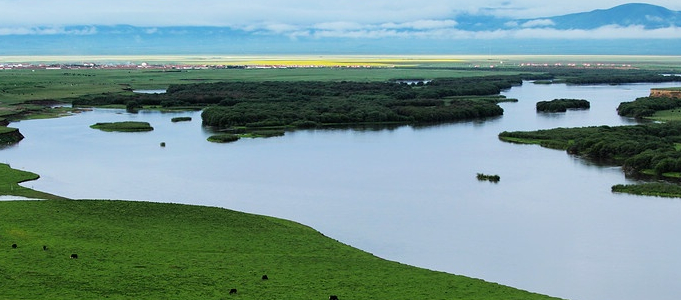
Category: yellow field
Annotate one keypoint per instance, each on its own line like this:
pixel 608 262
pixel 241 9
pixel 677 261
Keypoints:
pixel 260 60
pixel 348 60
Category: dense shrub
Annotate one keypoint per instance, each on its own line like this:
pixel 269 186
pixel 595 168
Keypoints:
pixel 562 105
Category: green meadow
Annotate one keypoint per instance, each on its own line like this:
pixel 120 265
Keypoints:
pixel 145 250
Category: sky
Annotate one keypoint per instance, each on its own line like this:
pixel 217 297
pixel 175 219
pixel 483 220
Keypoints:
pixel 281 15
pixel 314 19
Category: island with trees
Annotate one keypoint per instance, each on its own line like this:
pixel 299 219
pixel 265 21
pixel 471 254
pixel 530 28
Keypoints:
pixel 127 126
pixel 562 105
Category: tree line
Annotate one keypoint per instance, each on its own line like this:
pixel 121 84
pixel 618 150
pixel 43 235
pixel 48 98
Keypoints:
pixel 651 148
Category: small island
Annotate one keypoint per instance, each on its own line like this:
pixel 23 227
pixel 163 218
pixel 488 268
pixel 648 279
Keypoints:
pixel 181 119
pixel 562 105
pixel 490 178
pixel 224 138
pixel 128 126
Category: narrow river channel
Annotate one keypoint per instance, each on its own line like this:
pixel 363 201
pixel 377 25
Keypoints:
pixel 551 225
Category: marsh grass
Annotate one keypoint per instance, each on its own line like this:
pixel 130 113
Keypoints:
pixel 650 189
pixel 667 115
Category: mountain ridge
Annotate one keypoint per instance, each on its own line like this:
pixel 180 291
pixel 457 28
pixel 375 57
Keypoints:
pixel 631 14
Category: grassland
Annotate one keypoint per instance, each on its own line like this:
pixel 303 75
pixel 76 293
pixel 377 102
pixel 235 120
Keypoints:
pixel 9 185
pixel 666 115
pixel 144 250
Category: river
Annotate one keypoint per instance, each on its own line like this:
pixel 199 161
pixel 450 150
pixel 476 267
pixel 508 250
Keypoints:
pixel 409 194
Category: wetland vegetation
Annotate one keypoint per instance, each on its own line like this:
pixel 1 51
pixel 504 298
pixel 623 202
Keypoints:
pixel 128 126
pixel 657 189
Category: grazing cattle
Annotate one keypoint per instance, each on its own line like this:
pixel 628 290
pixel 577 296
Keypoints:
pixel 232 291
pixel 264 277
pixel 14 246
pixel 74 255
pixel 333 297
pixel 44 247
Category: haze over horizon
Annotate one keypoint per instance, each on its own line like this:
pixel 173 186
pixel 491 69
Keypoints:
pixel 36 27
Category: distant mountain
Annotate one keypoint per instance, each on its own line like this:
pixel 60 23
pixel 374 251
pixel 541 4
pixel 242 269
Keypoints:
pixel 625 29
pixel 632 14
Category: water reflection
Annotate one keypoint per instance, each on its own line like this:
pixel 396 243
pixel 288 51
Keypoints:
pixel 551 225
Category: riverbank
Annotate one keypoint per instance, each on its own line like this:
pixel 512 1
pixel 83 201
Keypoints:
pixel 9 135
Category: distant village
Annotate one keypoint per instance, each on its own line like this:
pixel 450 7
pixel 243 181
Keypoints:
pixel 179 67
pixel 167 67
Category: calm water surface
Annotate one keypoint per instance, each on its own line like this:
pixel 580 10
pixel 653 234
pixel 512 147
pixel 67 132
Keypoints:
pixel 407 194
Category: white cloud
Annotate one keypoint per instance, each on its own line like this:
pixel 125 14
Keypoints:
pixel 511 24
pixel 47 31
pixel 333 26
pixel 379 31
pixel 605 32
pixel 538 23
pixel 421 24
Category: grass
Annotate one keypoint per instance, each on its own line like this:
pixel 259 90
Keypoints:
pixel 143 250
pixel 127 126
pixel 666 115
pixel 17 86
pixel 9 184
